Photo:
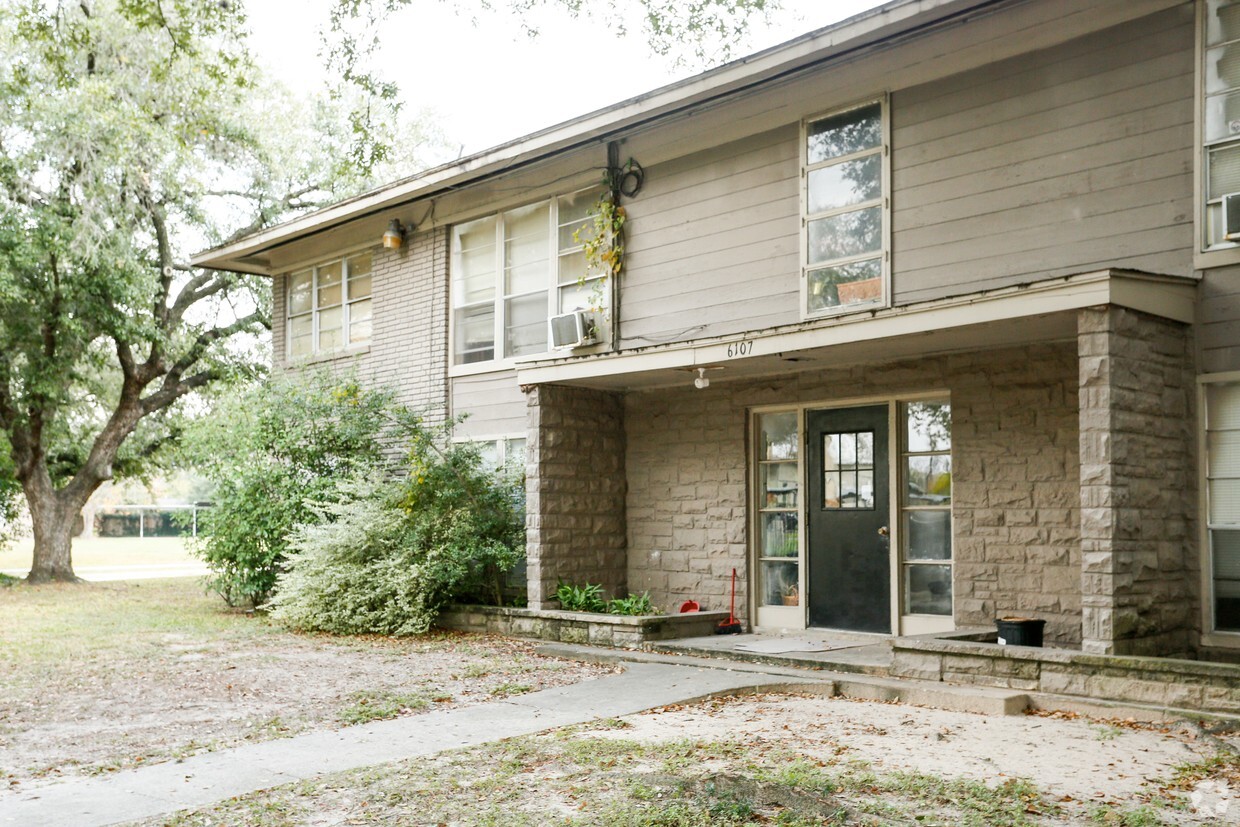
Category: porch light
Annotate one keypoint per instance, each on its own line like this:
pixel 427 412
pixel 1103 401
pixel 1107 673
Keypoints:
pixel 701 382
pixel 395 235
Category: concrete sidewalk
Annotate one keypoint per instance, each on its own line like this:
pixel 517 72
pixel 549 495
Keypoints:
pixel 209 777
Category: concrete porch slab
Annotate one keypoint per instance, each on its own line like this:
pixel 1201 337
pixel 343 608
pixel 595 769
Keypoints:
pixel 983 700
pixel 835 651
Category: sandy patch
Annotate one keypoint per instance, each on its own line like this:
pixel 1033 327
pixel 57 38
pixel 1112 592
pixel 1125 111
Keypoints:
pixel 1076 761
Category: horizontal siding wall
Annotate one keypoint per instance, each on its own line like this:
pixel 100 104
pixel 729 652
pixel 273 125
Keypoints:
pixel 712 244
pixel 492 404
pixel 1065 160
pixel 1074 158
pixel 1218 320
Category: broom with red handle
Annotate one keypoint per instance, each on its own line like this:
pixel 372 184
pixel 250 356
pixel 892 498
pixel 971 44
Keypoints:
pixel 731 626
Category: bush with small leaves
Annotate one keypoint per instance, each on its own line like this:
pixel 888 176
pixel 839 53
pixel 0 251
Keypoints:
pixel 385 555
pixel 271 452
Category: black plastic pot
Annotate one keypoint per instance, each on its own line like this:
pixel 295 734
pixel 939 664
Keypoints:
pixel 1020 631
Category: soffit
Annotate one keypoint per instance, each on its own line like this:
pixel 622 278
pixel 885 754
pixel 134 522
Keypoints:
pixel 1039 312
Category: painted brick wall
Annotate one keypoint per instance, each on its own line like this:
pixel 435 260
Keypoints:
pixel 1016 475
pixel 408 348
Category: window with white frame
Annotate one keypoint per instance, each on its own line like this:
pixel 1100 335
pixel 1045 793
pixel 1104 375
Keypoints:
pixel 514 270
pixel 329 306
pixel 844 175
pixel 500 452
pixel 1220 122
pixel 1223 502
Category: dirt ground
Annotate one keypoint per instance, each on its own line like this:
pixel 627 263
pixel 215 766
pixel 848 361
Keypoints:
pixel 1076 762
pixel 145 691
pixel 790 760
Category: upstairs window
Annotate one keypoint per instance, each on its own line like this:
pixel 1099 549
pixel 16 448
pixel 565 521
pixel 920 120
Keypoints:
pixel 844 197
pixel 1220 120
pixel 514 270
pixel 329 306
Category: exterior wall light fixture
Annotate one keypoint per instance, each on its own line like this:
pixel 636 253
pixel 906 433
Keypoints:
pixel 701 382
pixel 394 237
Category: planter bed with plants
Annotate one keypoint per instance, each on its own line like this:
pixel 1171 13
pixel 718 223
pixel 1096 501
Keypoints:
pixel 580 627
pixel 585 616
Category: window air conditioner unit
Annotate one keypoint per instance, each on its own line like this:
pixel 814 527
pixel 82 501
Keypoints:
pixel 576 329
pixel 1231 217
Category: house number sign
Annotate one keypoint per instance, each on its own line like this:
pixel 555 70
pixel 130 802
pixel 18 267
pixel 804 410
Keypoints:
pixel 742 348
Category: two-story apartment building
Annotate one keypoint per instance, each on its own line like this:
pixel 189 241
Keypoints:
pixel 924 318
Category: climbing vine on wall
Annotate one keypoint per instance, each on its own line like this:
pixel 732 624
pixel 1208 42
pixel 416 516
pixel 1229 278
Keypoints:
pixel 602 238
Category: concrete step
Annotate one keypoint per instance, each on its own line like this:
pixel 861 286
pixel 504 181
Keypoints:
pixel 872 661
pixel 799 678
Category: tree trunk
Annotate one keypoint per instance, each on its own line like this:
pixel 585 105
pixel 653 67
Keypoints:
pixel 53 520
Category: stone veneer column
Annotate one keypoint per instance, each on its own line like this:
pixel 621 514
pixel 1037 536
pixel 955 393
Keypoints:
pixel 575 491
pixel 1138 559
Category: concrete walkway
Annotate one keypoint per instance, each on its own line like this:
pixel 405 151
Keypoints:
pixel 210 777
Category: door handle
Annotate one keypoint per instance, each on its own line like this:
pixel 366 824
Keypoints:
pixel 883 532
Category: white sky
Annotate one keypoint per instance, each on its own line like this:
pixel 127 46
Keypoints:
pixel 485 80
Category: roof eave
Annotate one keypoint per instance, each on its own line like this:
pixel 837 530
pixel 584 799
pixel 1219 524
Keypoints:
pixel 867 28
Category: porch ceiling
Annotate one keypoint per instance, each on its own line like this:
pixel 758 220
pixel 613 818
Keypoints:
pixel 1038 312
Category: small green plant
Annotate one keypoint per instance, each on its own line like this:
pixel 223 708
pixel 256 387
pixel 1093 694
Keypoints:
pixel 379 706
pixel 587 598
pixel 634 604
pixel 1119 817
pixel 504 690
pixel 476 670
pixel 1106 732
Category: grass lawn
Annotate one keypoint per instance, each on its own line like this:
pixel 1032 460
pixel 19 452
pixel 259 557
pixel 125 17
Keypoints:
pixel 89 623
pixel 106 551
pixel 101 676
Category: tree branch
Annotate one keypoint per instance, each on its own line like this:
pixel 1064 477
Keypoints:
pixel 170 392
pixel 124 355
pixel 159 221
pixel 206 284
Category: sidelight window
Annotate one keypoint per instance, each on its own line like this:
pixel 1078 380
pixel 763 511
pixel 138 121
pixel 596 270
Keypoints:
pixel 925 508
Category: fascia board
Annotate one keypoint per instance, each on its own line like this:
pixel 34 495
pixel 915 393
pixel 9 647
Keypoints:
pixel 1165 296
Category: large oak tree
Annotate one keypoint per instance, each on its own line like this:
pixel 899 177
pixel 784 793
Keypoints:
pixel 133 132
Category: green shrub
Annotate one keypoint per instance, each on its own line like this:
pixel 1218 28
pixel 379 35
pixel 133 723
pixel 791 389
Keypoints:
pixel 385 555
pixel 272 451
pixel 634 604
pixel 587 598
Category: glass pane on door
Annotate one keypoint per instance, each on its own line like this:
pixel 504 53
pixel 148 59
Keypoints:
pixel 779 583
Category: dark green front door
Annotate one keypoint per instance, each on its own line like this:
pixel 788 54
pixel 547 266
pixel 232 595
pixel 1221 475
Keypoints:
pixel 849 541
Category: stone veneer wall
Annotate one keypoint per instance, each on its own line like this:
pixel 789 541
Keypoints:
pixel 575 491
pixel 1016 477
pixel 409 341
pixel 1138 484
